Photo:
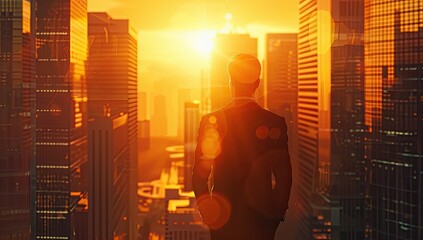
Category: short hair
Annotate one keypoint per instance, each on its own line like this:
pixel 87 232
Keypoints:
pixel 244 68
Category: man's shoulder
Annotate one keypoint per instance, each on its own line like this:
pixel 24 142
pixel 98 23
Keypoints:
pixel 272 115
pixel 258 112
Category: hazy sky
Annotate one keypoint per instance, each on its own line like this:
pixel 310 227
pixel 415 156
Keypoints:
pixel 200 14
pixel 171 33
pixel 166 27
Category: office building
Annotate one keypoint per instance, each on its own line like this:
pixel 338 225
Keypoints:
pixel 225 46
pixel 205 93
pixel 61 123
pixel 159 124
pixel 144 135
pixel 331 119
pixel 112 86
pixel 108 179
pixel 280 93
pixel 17 118
pixel 142 106
pixel 393 115
pixel 281 72
pixel 184 95
pixel 192 121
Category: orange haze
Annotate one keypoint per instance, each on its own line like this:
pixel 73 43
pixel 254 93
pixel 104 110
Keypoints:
pixel 174 34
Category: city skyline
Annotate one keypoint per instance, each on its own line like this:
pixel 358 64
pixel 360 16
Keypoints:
pixel 173 40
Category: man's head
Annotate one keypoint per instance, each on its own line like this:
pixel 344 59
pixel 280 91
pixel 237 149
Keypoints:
pixel 244 73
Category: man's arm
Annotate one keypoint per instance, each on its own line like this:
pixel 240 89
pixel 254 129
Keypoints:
pixel 281 168
pixel 202 166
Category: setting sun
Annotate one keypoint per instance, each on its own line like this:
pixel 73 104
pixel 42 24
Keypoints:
pixel 201 41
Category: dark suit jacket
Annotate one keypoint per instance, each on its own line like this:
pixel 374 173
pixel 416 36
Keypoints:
pixel 238 150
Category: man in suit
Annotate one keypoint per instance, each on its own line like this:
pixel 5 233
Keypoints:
pixel 242 173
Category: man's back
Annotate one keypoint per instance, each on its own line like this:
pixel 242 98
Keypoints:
pixel 251 145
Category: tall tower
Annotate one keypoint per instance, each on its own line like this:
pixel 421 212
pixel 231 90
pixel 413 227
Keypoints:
pixel 17 118
pixel 394 117
pixel 61 138
pixel 226 45
pixel 112 87
pixel 191 123
pixel 330 119
pixel 159 117
pixel 280 87
pixel 281 72
pixel 108 180
pixel 184 95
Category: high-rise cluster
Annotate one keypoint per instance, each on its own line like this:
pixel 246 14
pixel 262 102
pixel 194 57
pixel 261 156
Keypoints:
pixel 45 91
pixel 17 118
pixel 394 117
pixel 359 119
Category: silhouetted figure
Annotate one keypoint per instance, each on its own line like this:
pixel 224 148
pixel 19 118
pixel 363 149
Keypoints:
pixel 242 172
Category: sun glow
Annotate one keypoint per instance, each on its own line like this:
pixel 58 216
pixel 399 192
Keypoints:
pixel 201 42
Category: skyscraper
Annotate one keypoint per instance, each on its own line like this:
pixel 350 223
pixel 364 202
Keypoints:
pixel 394 117
pixel 226 45
pixel 280 96
pixel 330 119
pixel 192 120
pixel 142 106
pixel 159 118
pixel 17 117
pixel 112 86
pixel 281 72
pixel 184 95
pixel 108 179
pixel 61 137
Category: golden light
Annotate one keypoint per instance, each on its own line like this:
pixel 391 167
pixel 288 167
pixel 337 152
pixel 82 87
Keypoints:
pixel 228 16
pixel 201 41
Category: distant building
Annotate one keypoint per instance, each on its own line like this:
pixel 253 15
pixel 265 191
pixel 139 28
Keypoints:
pixel 331 119
pixel 167 212
pixel 108 179
pixel 61 123
pixel 182 219
pixel 281 73
pixel 159 117
pixel 184 95
pixel 144 134
pixel 394 117
pixel 225 46
pixel 205 106
pixel 280 96
pixel 112 86
pixel 142 105
pixel 17 118
pixel 192 121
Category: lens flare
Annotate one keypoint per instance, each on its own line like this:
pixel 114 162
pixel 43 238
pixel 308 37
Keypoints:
pixel 262 132
pixel 215 210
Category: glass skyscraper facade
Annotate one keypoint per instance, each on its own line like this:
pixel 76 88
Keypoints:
pixel 394 117
pixel 281 73
pixel 191 123
pixel 112 73
pixel 61 124
pixel 17 117
pixel 108 178
pixel 331 120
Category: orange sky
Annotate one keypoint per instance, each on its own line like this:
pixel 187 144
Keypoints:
pixel 163 24
pixel 168 30
pixel 200 14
